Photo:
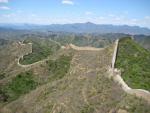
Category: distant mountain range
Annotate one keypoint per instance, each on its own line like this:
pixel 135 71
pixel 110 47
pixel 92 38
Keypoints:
pixel 82 28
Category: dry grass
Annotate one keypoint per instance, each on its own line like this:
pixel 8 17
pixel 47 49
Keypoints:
pixel 84 89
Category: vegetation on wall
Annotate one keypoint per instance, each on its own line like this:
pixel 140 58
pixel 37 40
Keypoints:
pixel 41 49
pixel 134 62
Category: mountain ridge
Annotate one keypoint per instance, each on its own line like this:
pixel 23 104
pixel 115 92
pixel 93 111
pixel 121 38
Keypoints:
pixel 87 27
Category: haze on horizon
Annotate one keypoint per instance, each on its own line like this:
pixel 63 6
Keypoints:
pixel 117 12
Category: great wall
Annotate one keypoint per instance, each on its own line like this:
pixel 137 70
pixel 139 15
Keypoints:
pixel 113 72
pixel 116 75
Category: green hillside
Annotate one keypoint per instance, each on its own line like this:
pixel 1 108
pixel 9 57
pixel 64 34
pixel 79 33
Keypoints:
pixel 134 62
pixel 83 40
pixel 21 84
pixel 143 40
pixel 68 82
pixel 26 81
pixel 41 49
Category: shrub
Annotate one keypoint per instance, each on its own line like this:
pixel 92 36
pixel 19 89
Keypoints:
pixel 135 61
pixel 41 49
pixel 59 67
pixel 21 84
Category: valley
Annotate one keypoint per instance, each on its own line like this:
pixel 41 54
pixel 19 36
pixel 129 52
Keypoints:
pixel 73 79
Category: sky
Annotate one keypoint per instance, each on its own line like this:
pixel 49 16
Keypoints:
pixel 117 12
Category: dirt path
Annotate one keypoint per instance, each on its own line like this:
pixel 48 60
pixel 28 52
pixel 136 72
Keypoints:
pixel 84 48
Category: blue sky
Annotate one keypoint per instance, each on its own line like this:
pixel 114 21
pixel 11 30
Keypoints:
pixel 118 12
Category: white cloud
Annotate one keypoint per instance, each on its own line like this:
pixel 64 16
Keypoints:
pixel 111 15
pixel 9 15
pixel 19 11
pixel 117 18
pixel 3 1
pixel 126 12
pixel 33 15
pixel 69 2
pixel 99 19
pixel 4 8
pixel 88 13
pixel 147 17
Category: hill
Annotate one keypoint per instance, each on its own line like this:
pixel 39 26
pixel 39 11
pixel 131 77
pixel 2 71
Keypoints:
pixel 79 39
pixel 41 49
pixel 82 28
pixel 70 81
pixel 10 51
pixel 143 40
pixel 134 62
